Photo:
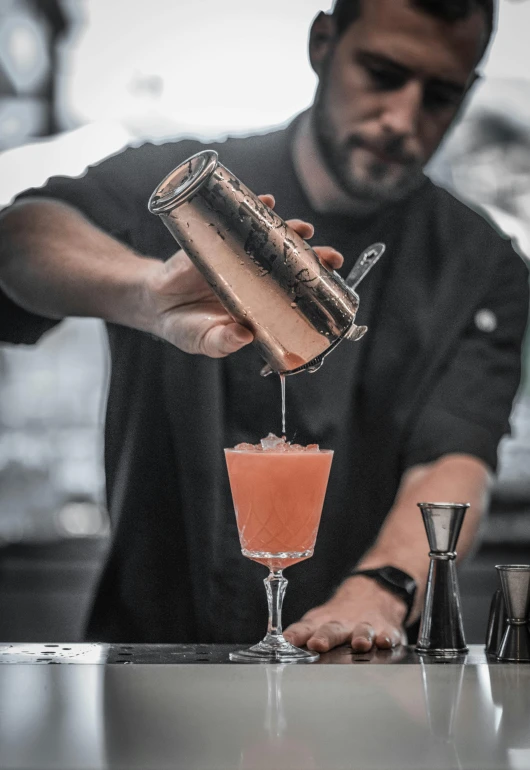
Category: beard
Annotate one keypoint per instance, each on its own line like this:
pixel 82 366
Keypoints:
pixel 378 183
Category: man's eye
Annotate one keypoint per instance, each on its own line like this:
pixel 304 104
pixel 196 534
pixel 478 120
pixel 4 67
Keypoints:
pixel 440 99
pixel 384 79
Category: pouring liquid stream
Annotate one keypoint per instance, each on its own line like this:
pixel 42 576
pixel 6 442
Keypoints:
pixel 363 264
pixel 282 383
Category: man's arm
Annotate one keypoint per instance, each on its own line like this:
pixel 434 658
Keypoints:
pixel 363 613
pixel 55 263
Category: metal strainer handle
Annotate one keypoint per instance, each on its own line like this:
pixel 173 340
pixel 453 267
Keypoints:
pixel 365 262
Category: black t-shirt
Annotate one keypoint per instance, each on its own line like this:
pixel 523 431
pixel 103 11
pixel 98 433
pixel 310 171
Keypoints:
pixel 430 377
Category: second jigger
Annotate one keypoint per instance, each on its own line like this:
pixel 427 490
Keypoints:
pixel 441 628
pixel 515 584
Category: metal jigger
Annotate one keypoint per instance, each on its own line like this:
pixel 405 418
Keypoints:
pixel 515 584
pixel 441 628
pixel 497 623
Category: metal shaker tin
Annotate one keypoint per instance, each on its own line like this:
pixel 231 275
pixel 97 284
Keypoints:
pixel 266 276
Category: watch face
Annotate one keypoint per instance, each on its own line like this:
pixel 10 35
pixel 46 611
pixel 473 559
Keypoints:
pixel 399 578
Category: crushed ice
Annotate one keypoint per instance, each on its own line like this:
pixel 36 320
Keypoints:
pixel 274 443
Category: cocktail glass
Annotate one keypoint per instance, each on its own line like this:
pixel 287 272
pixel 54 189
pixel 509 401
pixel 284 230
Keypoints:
pixel 278 497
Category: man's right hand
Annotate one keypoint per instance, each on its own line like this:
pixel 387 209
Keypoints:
pixel 188 313
pixel 56 263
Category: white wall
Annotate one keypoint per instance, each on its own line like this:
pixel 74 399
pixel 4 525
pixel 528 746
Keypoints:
pixel 177 66
pixel 510 53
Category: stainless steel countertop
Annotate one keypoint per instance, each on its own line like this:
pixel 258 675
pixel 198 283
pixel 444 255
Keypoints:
pixel 468 713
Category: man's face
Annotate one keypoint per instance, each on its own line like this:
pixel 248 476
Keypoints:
pixel 389 88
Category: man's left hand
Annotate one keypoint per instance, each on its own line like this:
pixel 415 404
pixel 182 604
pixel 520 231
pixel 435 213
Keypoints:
pixel 361 613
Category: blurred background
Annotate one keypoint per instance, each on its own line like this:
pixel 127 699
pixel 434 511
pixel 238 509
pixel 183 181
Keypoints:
pixel 79 80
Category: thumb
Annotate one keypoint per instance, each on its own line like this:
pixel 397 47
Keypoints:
pixel 221 340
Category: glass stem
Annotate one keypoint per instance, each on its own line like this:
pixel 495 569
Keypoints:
pixel 275 585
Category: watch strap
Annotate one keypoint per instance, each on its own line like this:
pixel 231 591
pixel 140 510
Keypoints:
pixel 394 580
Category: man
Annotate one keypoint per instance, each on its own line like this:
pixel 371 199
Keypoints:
pixel 414 411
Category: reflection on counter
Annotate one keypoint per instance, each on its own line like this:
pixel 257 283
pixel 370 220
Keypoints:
pixel 511 696
pixel 52 717
pixel 427 714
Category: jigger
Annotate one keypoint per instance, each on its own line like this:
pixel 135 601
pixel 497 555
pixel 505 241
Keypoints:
pixel 515 584
pixel 497 623
pixel 441 628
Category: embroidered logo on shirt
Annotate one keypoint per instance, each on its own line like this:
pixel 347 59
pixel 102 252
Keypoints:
pixel 486 320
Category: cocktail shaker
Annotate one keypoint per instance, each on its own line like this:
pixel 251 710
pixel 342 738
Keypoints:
pixel 266 276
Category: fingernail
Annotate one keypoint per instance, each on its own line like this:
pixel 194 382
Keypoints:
pixel 318 644
pixel 240 335
pixel 361 641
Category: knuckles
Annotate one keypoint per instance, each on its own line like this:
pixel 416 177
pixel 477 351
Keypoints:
pixel 334 626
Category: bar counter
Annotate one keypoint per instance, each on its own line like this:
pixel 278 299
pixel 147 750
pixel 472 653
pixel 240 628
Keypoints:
pixel 90 706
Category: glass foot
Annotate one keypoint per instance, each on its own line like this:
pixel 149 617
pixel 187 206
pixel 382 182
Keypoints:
pixel 277 652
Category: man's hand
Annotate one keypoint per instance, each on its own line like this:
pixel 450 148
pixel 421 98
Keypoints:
pixel 361 613
pixel 188 313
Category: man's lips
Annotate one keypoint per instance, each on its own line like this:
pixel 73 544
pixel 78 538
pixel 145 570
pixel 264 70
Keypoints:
pixel 385 156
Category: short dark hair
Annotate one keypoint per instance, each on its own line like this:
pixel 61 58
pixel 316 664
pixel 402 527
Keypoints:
pixel 347 11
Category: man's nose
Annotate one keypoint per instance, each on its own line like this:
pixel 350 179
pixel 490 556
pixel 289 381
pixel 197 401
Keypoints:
pixel 402 109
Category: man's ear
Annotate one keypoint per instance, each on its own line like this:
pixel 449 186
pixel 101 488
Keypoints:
pixel 321 38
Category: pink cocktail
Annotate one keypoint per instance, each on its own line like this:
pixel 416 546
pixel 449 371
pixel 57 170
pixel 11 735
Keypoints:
pixel 278 492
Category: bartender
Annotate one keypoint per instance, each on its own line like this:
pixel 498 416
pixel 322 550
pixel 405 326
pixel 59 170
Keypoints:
pixel 413 412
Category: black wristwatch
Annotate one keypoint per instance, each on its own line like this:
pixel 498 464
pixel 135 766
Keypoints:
pixel 394 580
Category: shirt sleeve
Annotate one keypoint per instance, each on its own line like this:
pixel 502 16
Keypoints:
pixel 468 408
pixel 18 326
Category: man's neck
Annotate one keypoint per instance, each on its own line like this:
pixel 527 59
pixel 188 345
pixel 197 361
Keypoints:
pixel 320 188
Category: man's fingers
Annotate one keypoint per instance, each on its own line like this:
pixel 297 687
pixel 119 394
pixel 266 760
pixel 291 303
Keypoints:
pixel 329 635
pixel 389 638
pixel 268 200
pixel 220 341
pixel 329 256
pixel 299 633
pixel 304 229
pixel 384 641
pixel 392 637
pixel 362 638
